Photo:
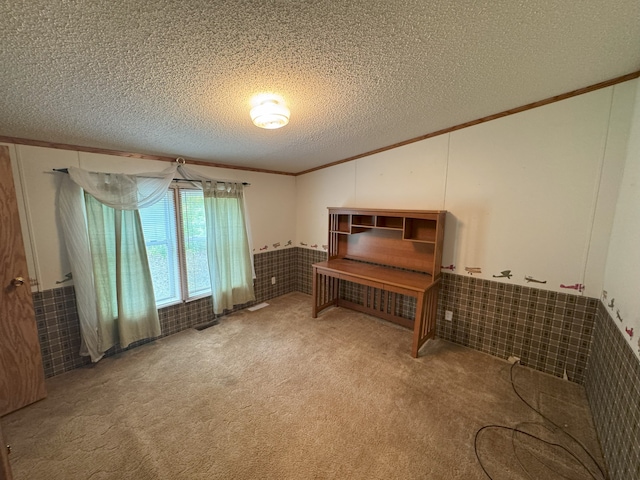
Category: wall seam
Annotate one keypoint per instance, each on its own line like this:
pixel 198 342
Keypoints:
pixel 446 172
pixel 355 182
pixel 594 210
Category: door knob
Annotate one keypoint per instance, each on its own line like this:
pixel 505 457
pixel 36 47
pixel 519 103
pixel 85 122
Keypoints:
pixel 18 282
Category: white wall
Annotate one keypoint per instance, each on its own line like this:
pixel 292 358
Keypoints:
pixel 410 177
pixel 270 202
pixel 532 193
pixel 521 192
pixel 329 187
pixel 622 278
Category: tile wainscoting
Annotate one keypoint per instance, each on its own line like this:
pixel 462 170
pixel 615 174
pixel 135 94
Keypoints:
pixel 59 328
pixel 613 389
pixel 304 272
pixel 549 331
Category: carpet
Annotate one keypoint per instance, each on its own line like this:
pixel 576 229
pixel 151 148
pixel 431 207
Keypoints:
pixel 275 394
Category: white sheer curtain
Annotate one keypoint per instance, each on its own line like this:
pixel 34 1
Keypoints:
pixel 108 256
pixel 229 251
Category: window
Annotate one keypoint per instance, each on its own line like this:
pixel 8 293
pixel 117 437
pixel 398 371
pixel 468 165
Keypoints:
pixel 175 236
pixel 194 239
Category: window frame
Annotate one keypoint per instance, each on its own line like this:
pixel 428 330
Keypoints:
pixel 181 256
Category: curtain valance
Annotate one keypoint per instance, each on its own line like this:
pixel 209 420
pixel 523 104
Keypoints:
pixel 122 191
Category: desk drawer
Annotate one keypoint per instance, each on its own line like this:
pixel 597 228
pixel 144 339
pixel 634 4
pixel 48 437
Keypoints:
pixel 361 281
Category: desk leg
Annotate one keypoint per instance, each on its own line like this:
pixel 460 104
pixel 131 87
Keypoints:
pixel 314 312
pixel 417 325
pixel 424 326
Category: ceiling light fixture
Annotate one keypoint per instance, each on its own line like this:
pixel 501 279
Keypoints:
pixel 270 113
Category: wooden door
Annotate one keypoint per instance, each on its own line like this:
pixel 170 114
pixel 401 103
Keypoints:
pixel 21 373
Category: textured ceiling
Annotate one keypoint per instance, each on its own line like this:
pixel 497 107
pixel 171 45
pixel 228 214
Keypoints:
pixel 176 77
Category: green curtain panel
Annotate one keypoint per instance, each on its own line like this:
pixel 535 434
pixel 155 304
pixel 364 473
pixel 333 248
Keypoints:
pixel 230 263
pixel 126 302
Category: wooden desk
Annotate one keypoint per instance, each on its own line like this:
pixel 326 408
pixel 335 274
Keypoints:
pixel 381 287
pixel 389 253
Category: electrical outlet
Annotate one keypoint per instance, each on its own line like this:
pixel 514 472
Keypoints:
pixel 448 315
pixel 273 280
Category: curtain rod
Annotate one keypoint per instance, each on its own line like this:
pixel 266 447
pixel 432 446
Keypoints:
pixel 66 170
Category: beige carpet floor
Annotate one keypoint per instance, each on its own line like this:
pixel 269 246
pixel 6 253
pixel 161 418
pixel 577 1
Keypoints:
pixel 275 394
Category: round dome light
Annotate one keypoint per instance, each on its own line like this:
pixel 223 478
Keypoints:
pixel 270 114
